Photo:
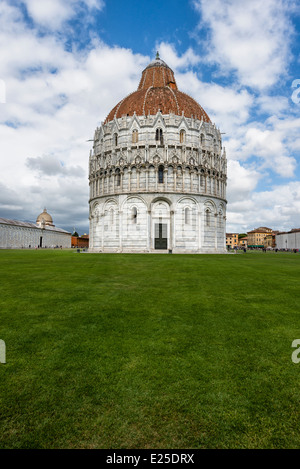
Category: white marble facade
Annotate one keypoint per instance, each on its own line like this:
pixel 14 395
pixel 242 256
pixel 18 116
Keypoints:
pixel 158 177
pixel 288 240
pixel 178 182
pixel 17 235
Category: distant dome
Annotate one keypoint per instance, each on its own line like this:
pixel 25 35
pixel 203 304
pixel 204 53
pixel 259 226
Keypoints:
pixel 158 91
pixel 45 218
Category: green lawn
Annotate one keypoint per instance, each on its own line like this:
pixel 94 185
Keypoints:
pixel 149 351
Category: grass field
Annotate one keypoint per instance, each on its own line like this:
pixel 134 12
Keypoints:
pixel 149 351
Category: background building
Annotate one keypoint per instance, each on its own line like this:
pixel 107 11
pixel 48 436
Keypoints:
pixel 232 240
pixel 257 237
pixel 243 241
pixel 270 240
pixel 157 173
pixel 80 241
pixel 288 240
pixel 17 234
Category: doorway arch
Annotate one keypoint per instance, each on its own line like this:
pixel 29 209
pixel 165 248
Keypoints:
pixel 161 225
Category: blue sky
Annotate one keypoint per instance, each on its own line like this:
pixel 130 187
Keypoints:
pixel 65 64
pixel 148 23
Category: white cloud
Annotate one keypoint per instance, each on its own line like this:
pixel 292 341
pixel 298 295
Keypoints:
pixel 273 144
pixel 22 51
pixel 242 181
pixel 51 14
pixel 55 100
pixel 274 105
pixel 49 165
pixel 250 38
pixel 226 106
pixel 278 208
pixel 268 145
pixel 168 53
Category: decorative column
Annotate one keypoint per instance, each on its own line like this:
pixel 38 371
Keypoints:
pixel 121 179
pixel 149 244
pixel 120 229
pixel 147 178
pixel 166 179
pixel 101 216
pixel 199 230
pixel 172 230
pixel 91 241
pixel 92 188
pixel 129 179
pixel 215 231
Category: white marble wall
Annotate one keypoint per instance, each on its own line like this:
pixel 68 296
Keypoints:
pixel 16 237
pixel 127 223
pixel 288 240
pixel 190 201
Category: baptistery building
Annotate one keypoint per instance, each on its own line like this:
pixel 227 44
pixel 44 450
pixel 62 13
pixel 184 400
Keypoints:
pixel 158 173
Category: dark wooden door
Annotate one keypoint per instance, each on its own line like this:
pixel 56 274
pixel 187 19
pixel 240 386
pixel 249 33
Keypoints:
pixel 161 239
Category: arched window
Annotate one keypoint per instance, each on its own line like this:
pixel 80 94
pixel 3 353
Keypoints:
pixel 118 177
pixel 207 217
pixel 111 216
pixel 135 136
pixel 201 139
pixel 187 215
pixel 160 174
pixel 182 136
pixel 96 213
pixel 115 140
pixel 220 219
pixel 134 215
pixel 159 136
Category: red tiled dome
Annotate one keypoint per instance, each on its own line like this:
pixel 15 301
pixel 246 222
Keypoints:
pixel 158 91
